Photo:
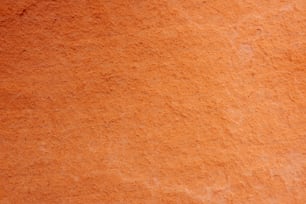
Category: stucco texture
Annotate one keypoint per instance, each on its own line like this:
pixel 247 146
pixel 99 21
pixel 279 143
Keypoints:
pixel 153 101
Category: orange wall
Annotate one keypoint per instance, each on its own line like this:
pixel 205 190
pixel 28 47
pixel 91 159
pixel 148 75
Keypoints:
pixel 153 101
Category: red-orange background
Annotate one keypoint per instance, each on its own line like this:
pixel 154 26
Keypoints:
pixel 161 101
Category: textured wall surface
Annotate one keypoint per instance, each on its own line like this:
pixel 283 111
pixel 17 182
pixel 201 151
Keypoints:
pixel 152 101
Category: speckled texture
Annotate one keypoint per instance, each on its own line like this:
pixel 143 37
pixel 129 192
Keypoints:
pixel 153 101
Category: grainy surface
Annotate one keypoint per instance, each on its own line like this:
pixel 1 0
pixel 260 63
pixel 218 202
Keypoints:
pixel 160 101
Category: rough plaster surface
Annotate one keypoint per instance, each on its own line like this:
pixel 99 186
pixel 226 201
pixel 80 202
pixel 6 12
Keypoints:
pixel 153 101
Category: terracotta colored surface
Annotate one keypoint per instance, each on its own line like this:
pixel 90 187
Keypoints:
pixel 160 101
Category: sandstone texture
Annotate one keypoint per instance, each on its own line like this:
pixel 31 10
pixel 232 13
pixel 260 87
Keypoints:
pixel 153 101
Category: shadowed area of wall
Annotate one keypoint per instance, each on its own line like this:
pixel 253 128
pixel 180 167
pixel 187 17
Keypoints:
pixel 160 101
